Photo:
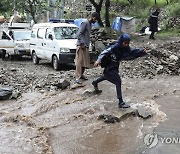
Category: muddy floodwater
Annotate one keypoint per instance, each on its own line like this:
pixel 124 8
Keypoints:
pixel 66 122
pixel 43 119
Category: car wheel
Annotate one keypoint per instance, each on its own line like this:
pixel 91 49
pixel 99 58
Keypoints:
pixel 3 55
pixel 55 63
pixel 35 59
pixel 11 57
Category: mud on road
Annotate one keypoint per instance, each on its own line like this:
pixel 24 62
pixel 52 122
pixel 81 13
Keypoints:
pixel 45 119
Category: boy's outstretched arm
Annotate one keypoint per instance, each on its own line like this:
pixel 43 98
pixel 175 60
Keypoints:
pixel 135 53
pixel 102 54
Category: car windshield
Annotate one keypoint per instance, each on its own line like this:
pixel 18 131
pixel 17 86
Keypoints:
pixel 65 32
pixel 22 35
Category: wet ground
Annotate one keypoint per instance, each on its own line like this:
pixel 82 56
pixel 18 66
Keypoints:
pixel 66 121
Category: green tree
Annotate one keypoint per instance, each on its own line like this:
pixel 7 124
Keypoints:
pixel 107 5
pixel 5 7
pixel 32 7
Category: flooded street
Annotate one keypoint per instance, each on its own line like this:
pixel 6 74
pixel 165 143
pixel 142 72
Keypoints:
pixel 43 119
pixel 66 122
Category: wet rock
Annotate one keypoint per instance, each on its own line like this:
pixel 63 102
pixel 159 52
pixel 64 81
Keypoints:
pixel 89 93
pixel 99 46
pixel 53 88
pixel 173 58
pixel 40 84
pixel 108 118
pixel 144 112
pixel 74 86
pixel 13 69
pixel 126 113
pixel 141 111
pixel 42 91
pixel 63 84
pixel 102 37
pixel 123 114
pixel 15 94
pixel 5 92
pixel 159 70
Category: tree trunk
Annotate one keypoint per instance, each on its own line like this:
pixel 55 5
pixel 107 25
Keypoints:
pixel 107 5
pixel 130 1
pixel 98 10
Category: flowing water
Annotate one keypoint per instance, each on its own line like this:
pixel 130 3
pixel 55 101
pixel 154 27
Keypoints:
pixel 66 122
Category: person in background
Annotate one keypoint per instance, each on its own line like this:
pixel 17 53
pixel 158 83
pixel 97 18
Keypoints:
pixel 153 23
pixel 82 58
pixel 117 52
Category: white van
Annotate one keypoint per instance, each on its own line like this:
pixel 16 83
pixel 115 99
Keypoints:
pixel 55 42
pixel 14 41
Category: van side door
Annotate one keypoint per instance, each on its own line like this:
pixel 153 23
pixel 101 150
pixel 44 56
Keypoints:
pixel 50 44
pixel 6 42
pixel 40 43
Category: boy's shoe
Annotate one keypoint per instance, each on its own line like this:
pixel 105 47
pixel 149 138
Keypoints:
pixel 78 81
pixel 96 89
pixel 123 105
pixel 152 37
pixel 84 77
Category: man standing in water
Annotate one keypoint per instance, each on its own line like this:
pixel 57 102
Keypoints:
pixel 82 59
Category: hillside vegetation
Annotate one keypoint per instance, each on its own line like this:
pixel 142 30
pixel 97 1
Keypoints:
pixel 169 18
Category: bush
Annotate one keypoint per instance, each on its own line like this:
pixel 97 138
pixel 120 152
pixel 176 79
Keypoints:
pixel 171 18
pixel 174 10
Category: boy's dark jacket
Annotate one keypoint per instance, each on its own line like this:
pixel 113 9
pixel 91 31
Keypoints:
pixel 116 53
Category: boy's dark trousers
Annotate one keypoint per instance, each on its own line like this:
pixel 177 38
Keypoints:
pixel 152 35
pixel 113 77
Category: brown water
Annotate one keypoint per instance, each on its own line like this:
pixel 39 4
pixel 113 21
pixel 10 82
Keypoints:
pixel 67 123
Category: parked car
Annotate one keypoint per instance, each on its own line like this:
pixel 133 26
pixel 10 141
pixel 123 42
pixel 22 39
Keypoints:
pixel 6 44
pixel 14 42
pixel 55 42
